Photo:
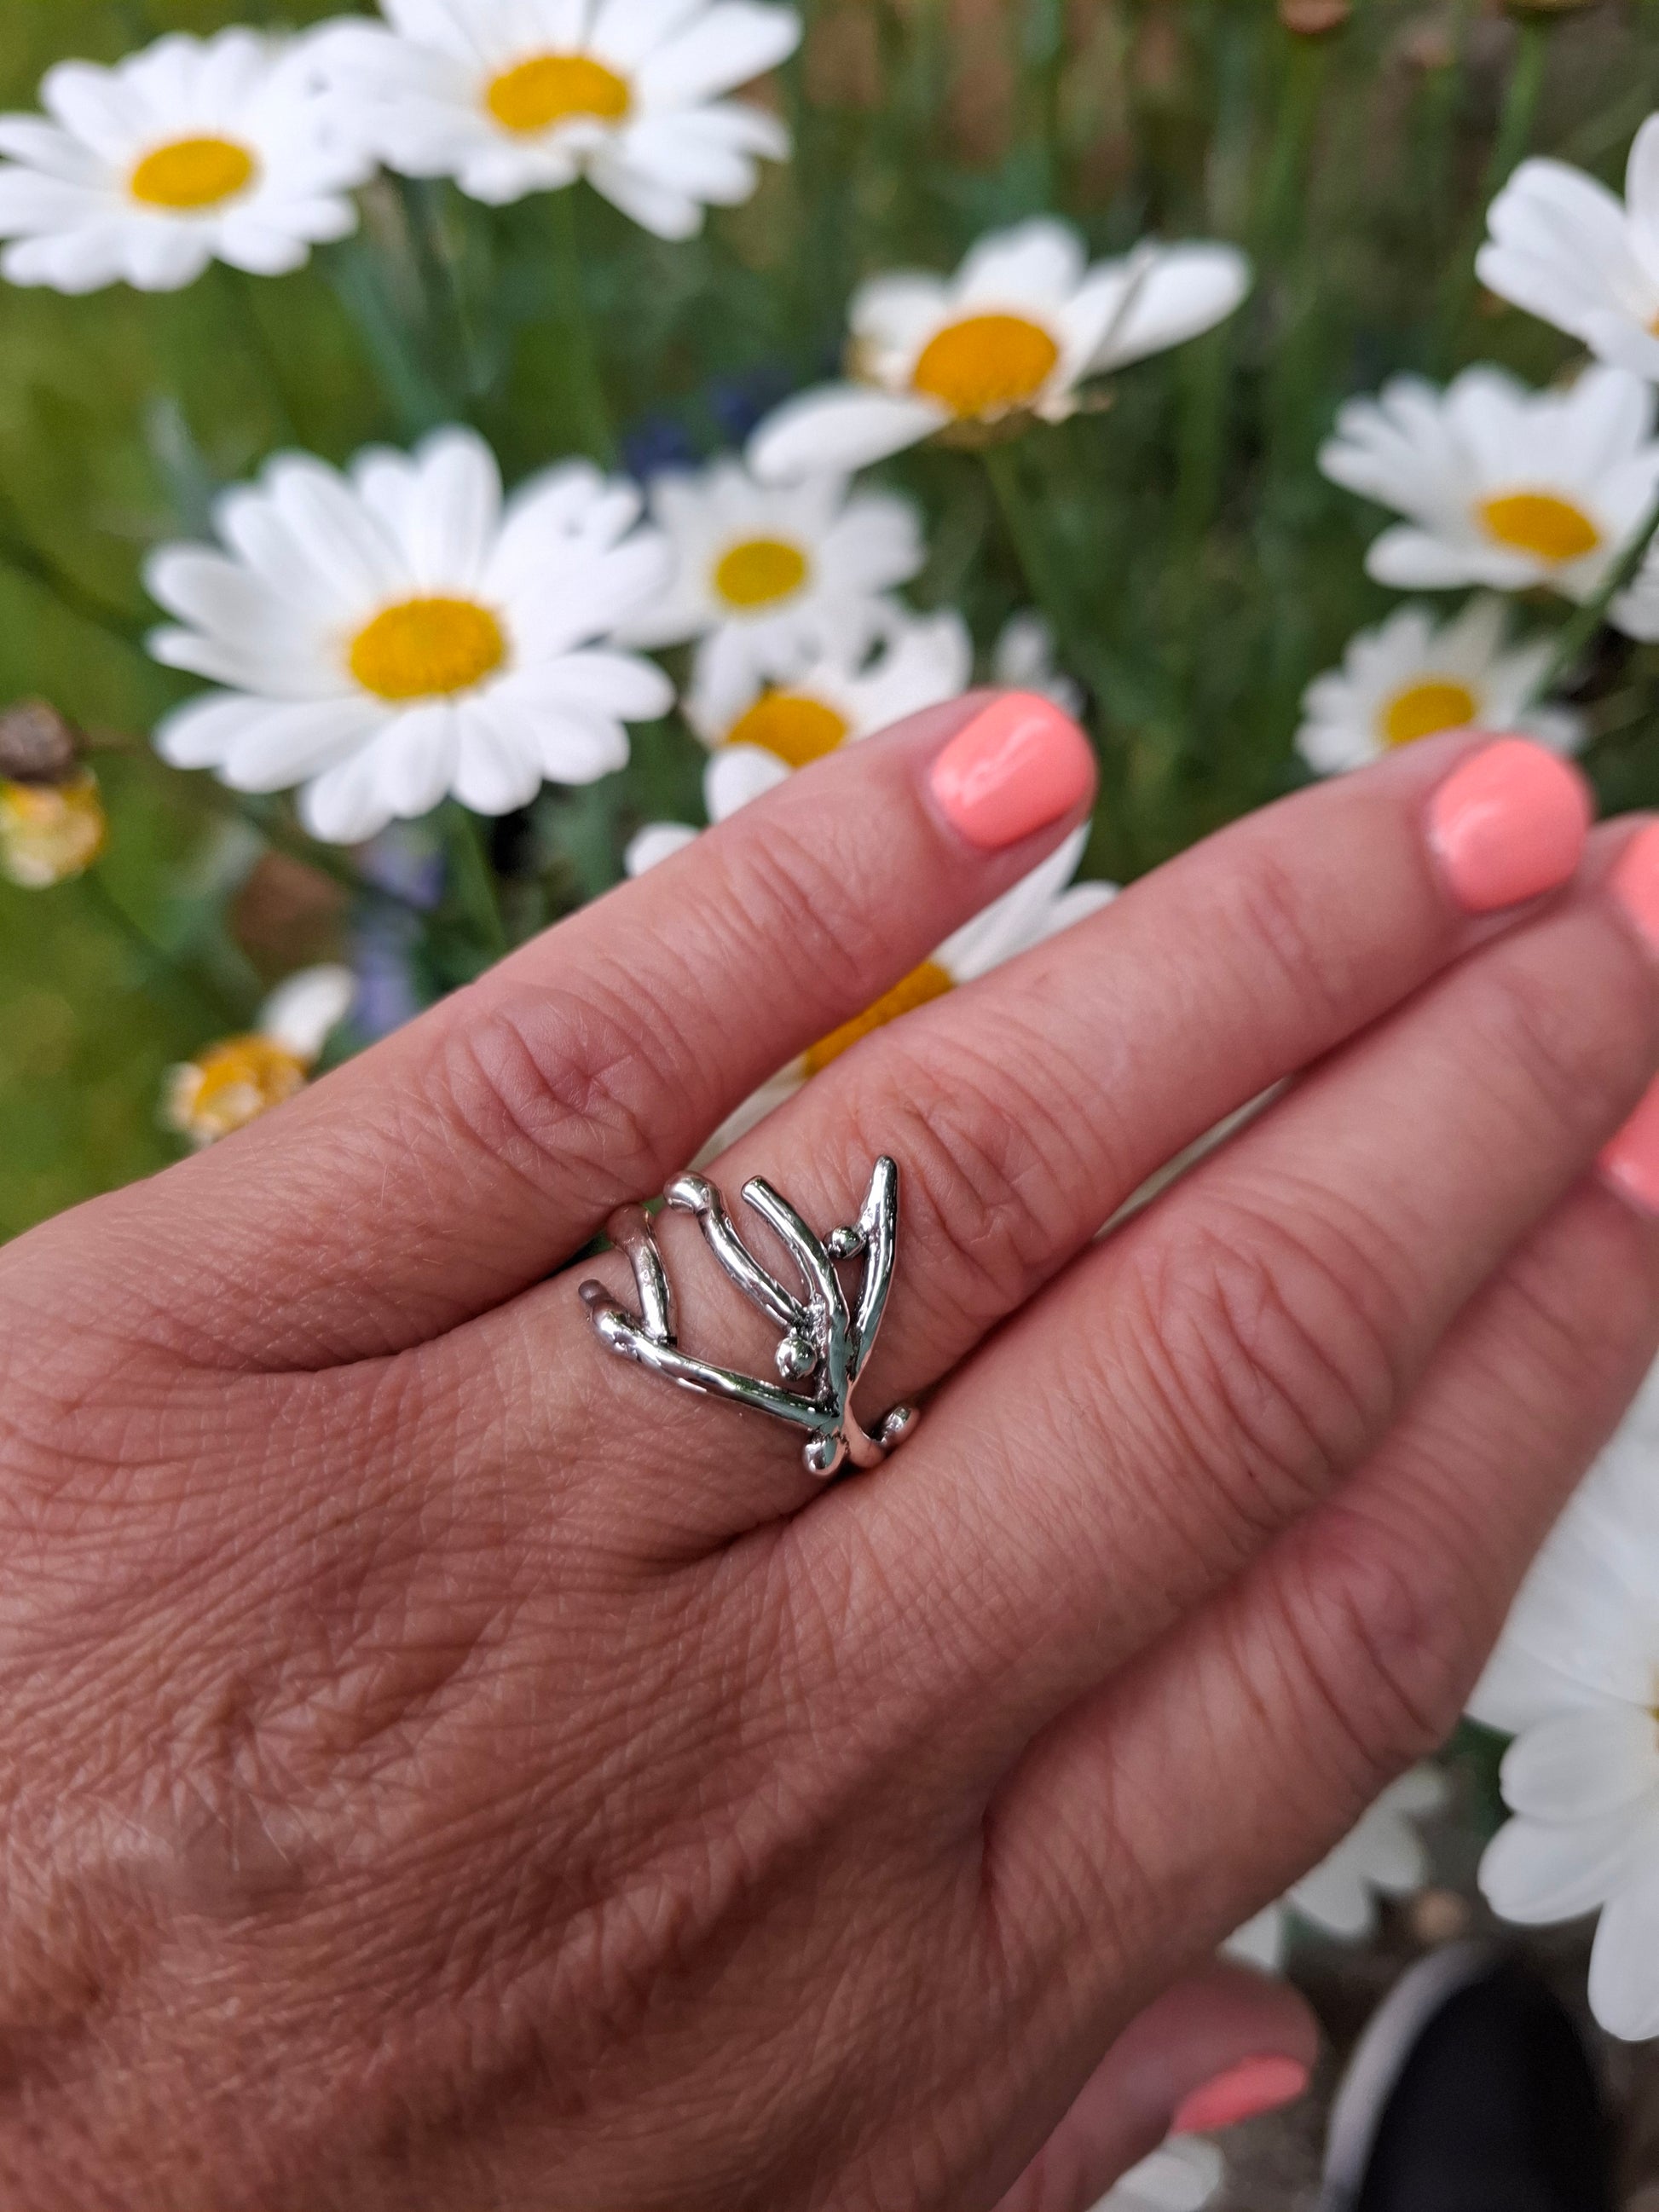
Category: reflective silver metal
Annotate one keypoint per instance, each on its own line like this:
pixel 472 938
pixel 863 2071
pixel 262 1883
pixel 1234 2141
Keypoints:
pixel 826 1341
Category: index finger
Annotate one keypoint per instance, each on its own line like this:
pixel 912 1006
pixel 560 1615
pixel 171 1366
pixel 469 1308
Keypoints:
pixel 461 1160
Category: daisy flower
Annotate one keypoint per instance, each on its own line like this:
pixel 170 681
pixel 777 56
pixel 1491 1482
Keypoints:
pixel 1182 2176
pixel 1503 486
pixel 1411 679
pixel 1566 249
pixel 1383 1856
pixel 241 1077
pixel 1572 1680
pixel 764 573
pixel 390 635
pixel 516 96
pixel 1023 660
pixel 191 151
pixel 1042 903
pixel 1022 324
pixel 50 832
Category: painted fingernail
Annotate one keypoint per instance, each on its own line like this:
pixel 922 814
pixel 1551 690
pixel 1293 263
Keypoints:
pixel 1256 2086
pixel 1017 767
pixel 1631 1161
pixel 1508 825
pixel 1635 883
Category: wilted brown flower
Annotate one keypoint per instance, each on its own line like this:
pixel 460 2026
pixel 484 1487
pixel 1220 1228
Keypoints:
pixel 50 832
pixel 38 744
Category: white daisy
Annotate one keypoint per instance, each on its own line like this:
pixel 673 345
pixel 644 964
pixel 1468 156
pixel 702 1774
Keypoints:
pixel 517 96
pixel 1503 486
pixel 1013 334
pixel 1044 902
pixel 1383 1856
pixel 190 151
pixel 760 732
pixel 1568 250
pixel 1574 1680
pixel 399 633
pixel 1182 2176
pixel 235 1081
pixel 1023 660
pixel 1412 678
pixel 765 573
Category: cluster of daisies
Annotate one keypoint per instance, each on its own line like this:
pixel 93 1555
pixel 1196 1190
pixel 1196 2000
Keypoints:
pixel 1506 489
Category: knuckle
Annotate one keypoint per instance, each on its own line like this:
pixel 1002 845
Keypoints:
pixel 800 892
pixel 985 1160
pixel 1270 908
pixel 555 1082
pixel 1273 1353
pixel 1576 1051
pixel 1383 1631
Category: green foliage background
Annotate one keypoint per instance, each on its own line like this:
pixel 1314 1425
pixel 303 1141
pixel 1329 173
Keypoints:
pixel 1199 568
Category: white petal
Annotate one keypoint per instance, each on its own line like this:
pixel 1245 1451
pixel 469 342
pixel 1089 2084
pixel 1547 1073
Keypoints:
pixel 1624 1976
pixel 289 744
pixel 416 754
pixel 301 1014
pixel 1582 1765
pixel 737 774
pixel 499 768
pixel 837 429
pixel 729 44
pixel 656 842
pixel 1535 1872
pixel 660 207
pixel 1188 290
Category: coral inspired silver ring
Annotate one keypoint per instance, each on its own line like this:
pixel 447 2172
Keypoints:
pixel 827 1337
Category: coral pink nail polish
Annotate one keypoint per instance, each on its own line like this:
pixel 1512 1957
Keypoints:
pixel 1255 2086
pixel 1635 883
pixel 1018 766
pixel 1508 825
pixel 1631 1161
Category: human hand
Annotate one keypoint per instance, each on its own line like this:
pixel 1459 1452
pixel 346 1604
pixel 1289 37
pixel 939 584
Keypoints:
pixel 445 1767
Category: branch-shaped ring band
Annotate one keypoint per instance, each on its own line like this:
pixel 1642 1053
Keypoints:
pixel 827 1337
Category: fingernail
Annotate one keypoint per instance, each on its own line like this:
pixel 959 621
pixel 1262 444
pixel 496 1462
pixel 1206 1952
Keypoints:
pixel 1017 767
pixel 1259 2085
pixel 1508 825
pixel 1631 1161
pixel 1635 883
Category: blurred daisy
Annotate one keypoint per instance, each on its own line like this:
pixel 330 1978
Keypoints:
pixel 399 633
pixel 764 573
pixel 236 1081
pixel 1503 486
pixel 1022 324
pixel 1023 660
pixel 1566 249
pixel 516 96
pixel 1182 2176
pixel 1573 1680
pixel 191 151
pixel 1383 1856
pixel 1413 678
pixel 1044 902
pixel 51 832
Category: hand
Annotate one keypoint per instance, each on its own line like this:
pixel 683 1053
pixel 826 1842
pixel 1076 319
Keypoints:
pixel 446 1766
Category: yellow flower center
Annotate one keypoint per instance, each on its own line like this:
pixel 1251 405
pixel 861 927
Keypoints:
pixel 759 571
pixel 799 730
pixel 1539 523
pixel 193 173
pixel 985 365
pixel 922 985
pixel 552 88
pixel 428 649
pixel 1427 708
pixel 230 1085
pixel 49 831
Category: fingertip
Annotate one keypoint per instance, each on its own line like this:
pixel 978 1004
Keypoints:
pixel 1020 765
pixel 1509 824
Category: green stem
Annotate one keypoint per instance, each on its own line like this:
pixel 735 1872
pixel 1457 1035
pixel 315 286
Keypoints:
pixel 1522 97
pixel 581 359
pixel 473 879
pixel 1576 633
pixel 238 289
pixel 454 334
pixel 156 961
pixel 364 281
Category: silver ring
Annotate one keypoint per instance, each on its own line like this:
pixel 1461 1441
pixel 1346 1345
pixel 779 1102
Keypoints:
pixel 827 1339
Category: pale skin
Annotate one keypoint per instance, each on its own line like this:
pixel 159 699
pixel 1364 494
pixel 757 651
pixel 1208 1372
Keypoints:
pixel 445 1767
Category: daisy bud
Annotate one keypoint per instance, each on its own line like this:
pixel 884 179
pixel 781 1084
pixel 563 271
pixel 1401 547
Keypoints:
pixel 50 832
pixel 1311 19
pixel 38 744
pixel 241 1077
